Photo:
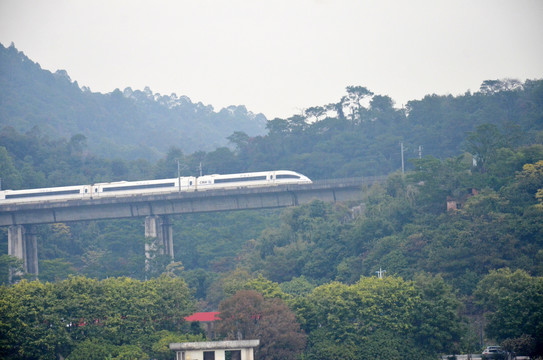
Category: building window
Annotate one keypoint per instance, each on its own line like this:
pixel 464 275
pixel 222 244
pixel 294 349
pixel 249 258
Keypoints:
pixel 209 355
pixel 232 355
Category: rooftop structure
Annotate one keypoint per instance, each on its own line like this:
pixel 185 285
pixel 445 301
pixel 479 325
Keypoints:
pixel 203 316
pixel 215 350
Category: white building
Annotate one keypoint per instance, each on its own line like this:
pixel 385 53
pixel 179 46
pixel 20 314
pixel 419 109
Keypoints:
pixel 215 350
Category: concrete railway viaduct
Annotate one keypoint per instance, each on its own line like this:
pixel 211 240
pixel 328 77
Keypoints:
pixel 156 208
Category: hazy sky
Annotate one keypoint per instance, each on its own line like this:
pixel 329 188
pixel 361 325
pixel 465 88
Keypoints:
pixel 280 56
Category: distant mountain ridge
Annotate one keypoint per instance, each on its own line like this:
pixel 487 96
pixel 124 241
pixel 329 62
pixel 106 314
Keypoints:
pixel 126 124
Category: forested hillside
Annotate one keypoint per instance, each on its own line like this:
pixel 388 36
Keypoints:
pixel 361 134
pixel 127 124
pixel 460 235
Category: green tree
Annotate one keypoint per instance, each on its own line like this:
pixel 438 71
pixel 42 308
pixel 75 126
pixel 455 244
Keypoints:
pixel 513 305
pixel 438 327
pixel 55 270
pixel 78 144
pixel 353 101
pixel 227 285
pixel 530 179
pixel 158 343
pixel 495 86
pixel 266 288
pixel 307 243
pixel 46 321
pixel 11 179
pixel 240 140
pixel 315 112
pixel 483 143
pixel 433 180
pixel 93 349
pixel 167 167
pixel 364 316
pixel 248 315
pixel 525 345
pixel 10 267
pixel 221 161
pixel 298 286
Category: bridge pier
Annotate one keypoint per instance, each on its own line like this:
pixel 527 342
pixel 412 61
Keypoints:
pixel 22 243
pixel 158 229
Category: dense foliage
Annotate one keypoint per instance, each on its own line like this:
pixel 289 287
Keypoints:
pixel 85 316
pixel 248 315
pixel 405 228
pixel 380 318
pixel 348 139
pixel 513 302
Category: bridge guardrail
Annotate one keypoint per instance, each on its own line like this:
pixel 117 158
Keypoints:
pixel 354 180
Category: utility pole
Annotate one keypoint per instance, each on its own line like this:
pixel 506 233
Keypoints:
pixel 420 151
pixel 381 273
pixel 403 167
pixel 200 168
pixel 179 174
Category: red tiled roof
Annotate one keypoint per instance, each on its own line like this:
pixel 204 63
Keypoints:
pixel 203 316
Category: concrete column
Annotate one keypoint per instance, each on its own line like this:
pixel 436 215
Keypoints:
pixel 31 244
pixel 159 229
pixel 22 243
pixel 247 354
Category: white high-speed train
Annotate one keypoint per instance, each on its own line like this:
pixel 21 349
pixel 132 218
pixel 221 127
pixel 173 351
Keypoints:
pixel 127 188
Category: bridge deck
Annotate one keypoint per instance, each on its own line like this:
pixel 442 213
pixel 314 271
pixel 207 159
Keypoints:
pixel 183 202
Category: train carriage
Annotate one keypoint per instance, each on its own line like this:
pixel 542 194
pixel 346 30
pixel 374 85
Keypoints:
pixel 127 188
pixel 45 194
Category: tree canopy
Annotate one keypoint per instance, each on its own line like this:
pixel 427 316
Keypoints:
pixel 48 320
pixel 248 315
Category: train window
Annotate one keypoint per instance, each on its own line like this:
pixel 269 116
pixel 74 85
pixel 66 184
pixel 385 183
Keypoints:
pixel 240 179
pixel 38 194
pixel 288 176
pixel 138 187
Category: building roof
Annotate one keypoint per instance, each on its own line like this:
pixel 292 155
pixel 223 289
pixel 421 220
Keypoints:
pixel 204 316
pixel 209 345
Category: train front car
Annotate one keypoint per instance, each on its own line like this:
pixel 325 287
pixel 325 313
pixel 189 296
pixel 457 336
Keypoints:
pixel 254 179
pixel 290 177
pixel 232 181
pixel 45 194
